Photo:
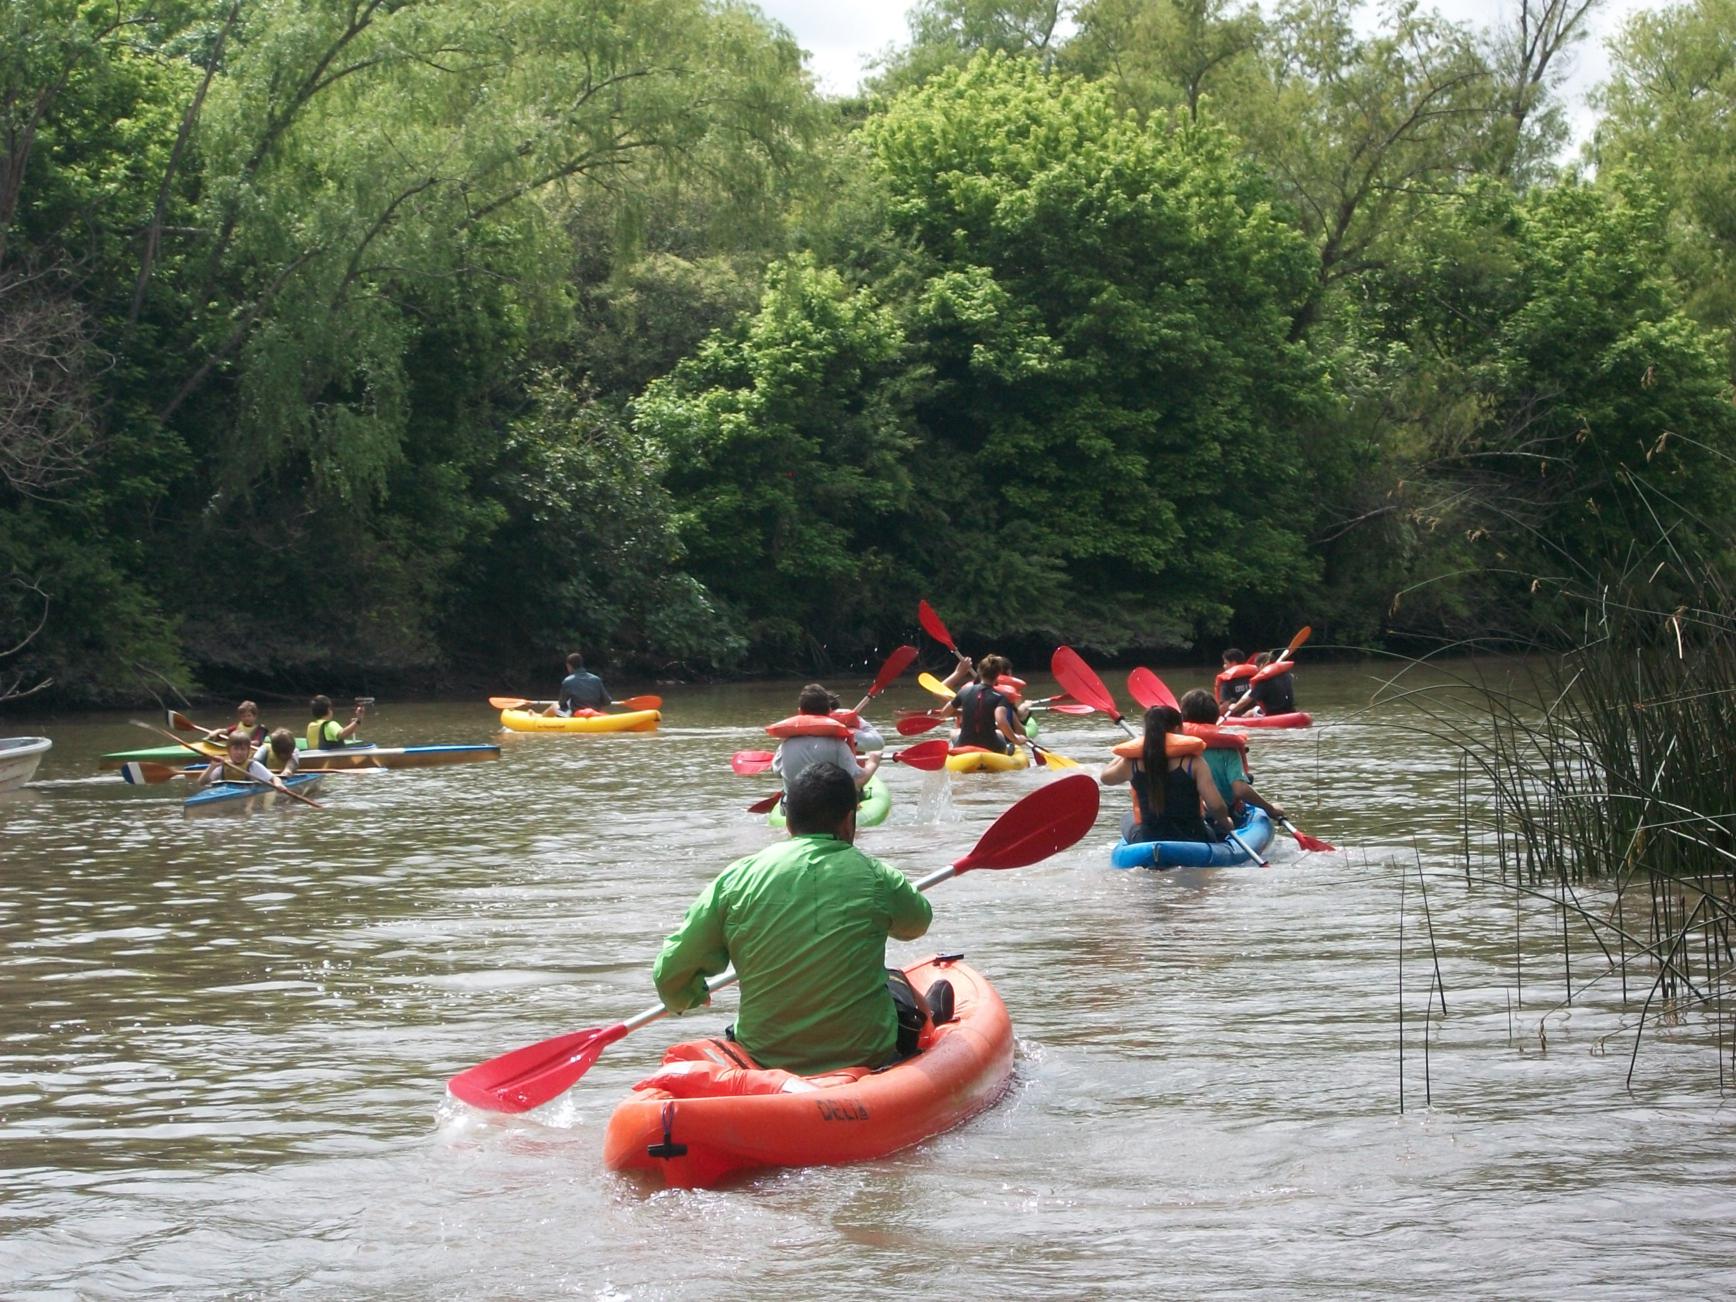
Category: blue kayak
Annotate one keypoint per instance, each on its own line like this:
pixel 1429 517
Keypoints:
pixel 1256 830
pixel 235 792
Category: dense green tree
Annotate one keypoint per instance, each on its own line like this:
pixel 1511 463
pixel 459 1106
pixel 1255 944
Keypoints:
pixel 1669 106
pixel 1105 309
pixel 1553 408
pixel 787 447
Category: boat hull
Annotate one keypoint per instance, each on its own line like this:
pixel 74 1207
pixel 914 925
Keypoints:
pixel 19 757
pixel 853 1116
pixel 1255 829
pixel 626 721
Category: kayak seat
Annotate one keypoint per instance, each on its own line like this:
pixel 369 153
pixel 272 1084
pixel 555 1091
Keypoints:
pixel 939 998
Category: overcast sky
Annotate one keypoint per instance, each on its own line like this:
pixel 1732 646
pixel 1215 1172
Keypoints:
pixel 841 36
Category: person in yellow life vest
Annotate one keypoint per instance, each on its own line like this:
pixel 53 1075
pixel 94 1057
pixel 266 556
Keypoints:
pixel 324 732
pixel 240 764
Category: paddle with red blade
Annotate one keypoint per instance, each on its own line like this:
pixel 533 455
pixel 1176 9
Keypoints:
pixel 1302 635
pixel 913 724
pixel 1149 690
pixel 928 756
pixel 1047 821
pixel 1082 682
pixel 901 659
pixel 748 762
pixel 935 627
pixel 1305 841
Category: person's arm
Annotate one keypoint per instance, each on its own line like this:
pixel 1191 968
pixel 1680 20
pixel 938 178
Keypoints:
pixel 909 909
pixel 1117 771
pixel 961 673
pixel 693 952
pixel 778 760
pixel 259 773
pixel 866 767
pixel 211 774
pixel 1244 703
pixel 1012 727
pixel 868 738
pixel 1245 792
pixel 349 729
pixel 1214 803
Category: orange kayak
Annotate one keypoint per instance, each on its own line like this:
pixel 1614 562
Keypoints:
pixel 703 1118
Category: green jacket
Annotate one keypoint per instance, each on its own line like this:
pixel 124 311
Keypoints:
pixel 805 923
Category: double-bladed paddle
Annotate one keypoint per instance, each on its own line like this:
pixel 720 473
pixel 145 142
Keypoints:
pixel 631 703
pixel 1048 820
pixel 925 755
pixel 140 723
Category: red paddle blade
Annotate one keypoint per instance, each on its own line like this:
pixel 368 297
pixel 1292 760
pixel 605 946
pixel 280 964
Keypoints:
pixel 1048 820
pixel 896 663
pixel 927 755
pixel 767 805
pixel 935 626
pixel 1072 707
pixel 748 762
pixel 641 703
pixel 1310 842
pixel 916 723
pixel 1081 680
pixel 1149 690
pixel 531 1076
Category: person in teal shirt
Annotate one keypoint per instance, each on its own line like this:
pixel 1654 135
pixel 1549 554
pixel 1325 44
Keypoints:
pixel 1228 772
pixel 805 924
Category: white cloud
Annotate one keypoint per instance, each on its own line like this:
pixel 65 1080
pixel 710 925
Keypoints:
pixel 840 36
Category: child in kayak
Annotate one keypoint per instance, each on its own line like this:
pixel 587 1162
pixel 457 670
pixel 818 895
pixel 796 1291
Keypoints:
pixel 325 732
pixel 241 764
pixel 278 753
pixel 1166 807
pixel 1229 774
pixel 795 754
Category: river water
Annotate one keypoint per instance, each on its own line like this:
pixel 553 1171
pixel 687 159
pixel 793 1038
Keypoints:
pixel 223 1041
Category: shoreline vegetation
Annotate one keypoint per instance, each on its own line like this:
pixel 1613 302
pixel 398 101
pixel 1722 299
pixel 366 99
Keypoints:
pixel 423 342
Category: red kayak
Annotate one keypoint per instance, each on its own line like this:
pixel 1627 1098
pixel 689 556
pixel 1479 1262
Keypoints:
pixel 704 1117
pixel 1294 719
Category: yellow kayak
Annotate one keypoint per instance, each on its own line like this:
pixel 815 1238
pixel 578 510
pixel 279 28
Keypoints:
pixel 626 721
pixel 974 759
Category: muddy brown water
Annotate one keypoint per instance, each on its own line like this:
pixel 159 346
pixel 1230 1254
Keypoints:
pixel 223 1041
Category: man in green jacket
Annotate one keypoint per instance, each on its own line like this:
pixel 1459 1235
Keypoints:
pixel 805 923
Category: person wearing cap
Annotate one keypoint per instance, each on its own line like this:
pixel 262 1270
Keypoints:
pixel 805 923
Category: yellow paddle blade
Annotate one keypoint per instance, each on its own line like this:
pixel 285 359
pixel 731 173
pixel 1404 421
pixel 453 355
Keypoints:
pixel 929 683
pixel 1054 759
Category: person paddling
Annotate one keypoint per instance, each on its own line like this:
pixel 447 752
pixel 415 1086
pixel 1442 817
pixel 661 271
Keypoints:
pixel 805 922
pixel 1232 684
pixel 278 753
pixel 241 764
pixel 1168 790
pixel 827 740
pixel 987 716
pixel 1272 689
pixel 1229 774
pixel 324 732
pixel 580 690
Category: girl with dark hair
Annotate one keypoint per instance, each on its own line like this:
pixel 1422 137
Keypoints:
pixel 987 716
pixel 1168 790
